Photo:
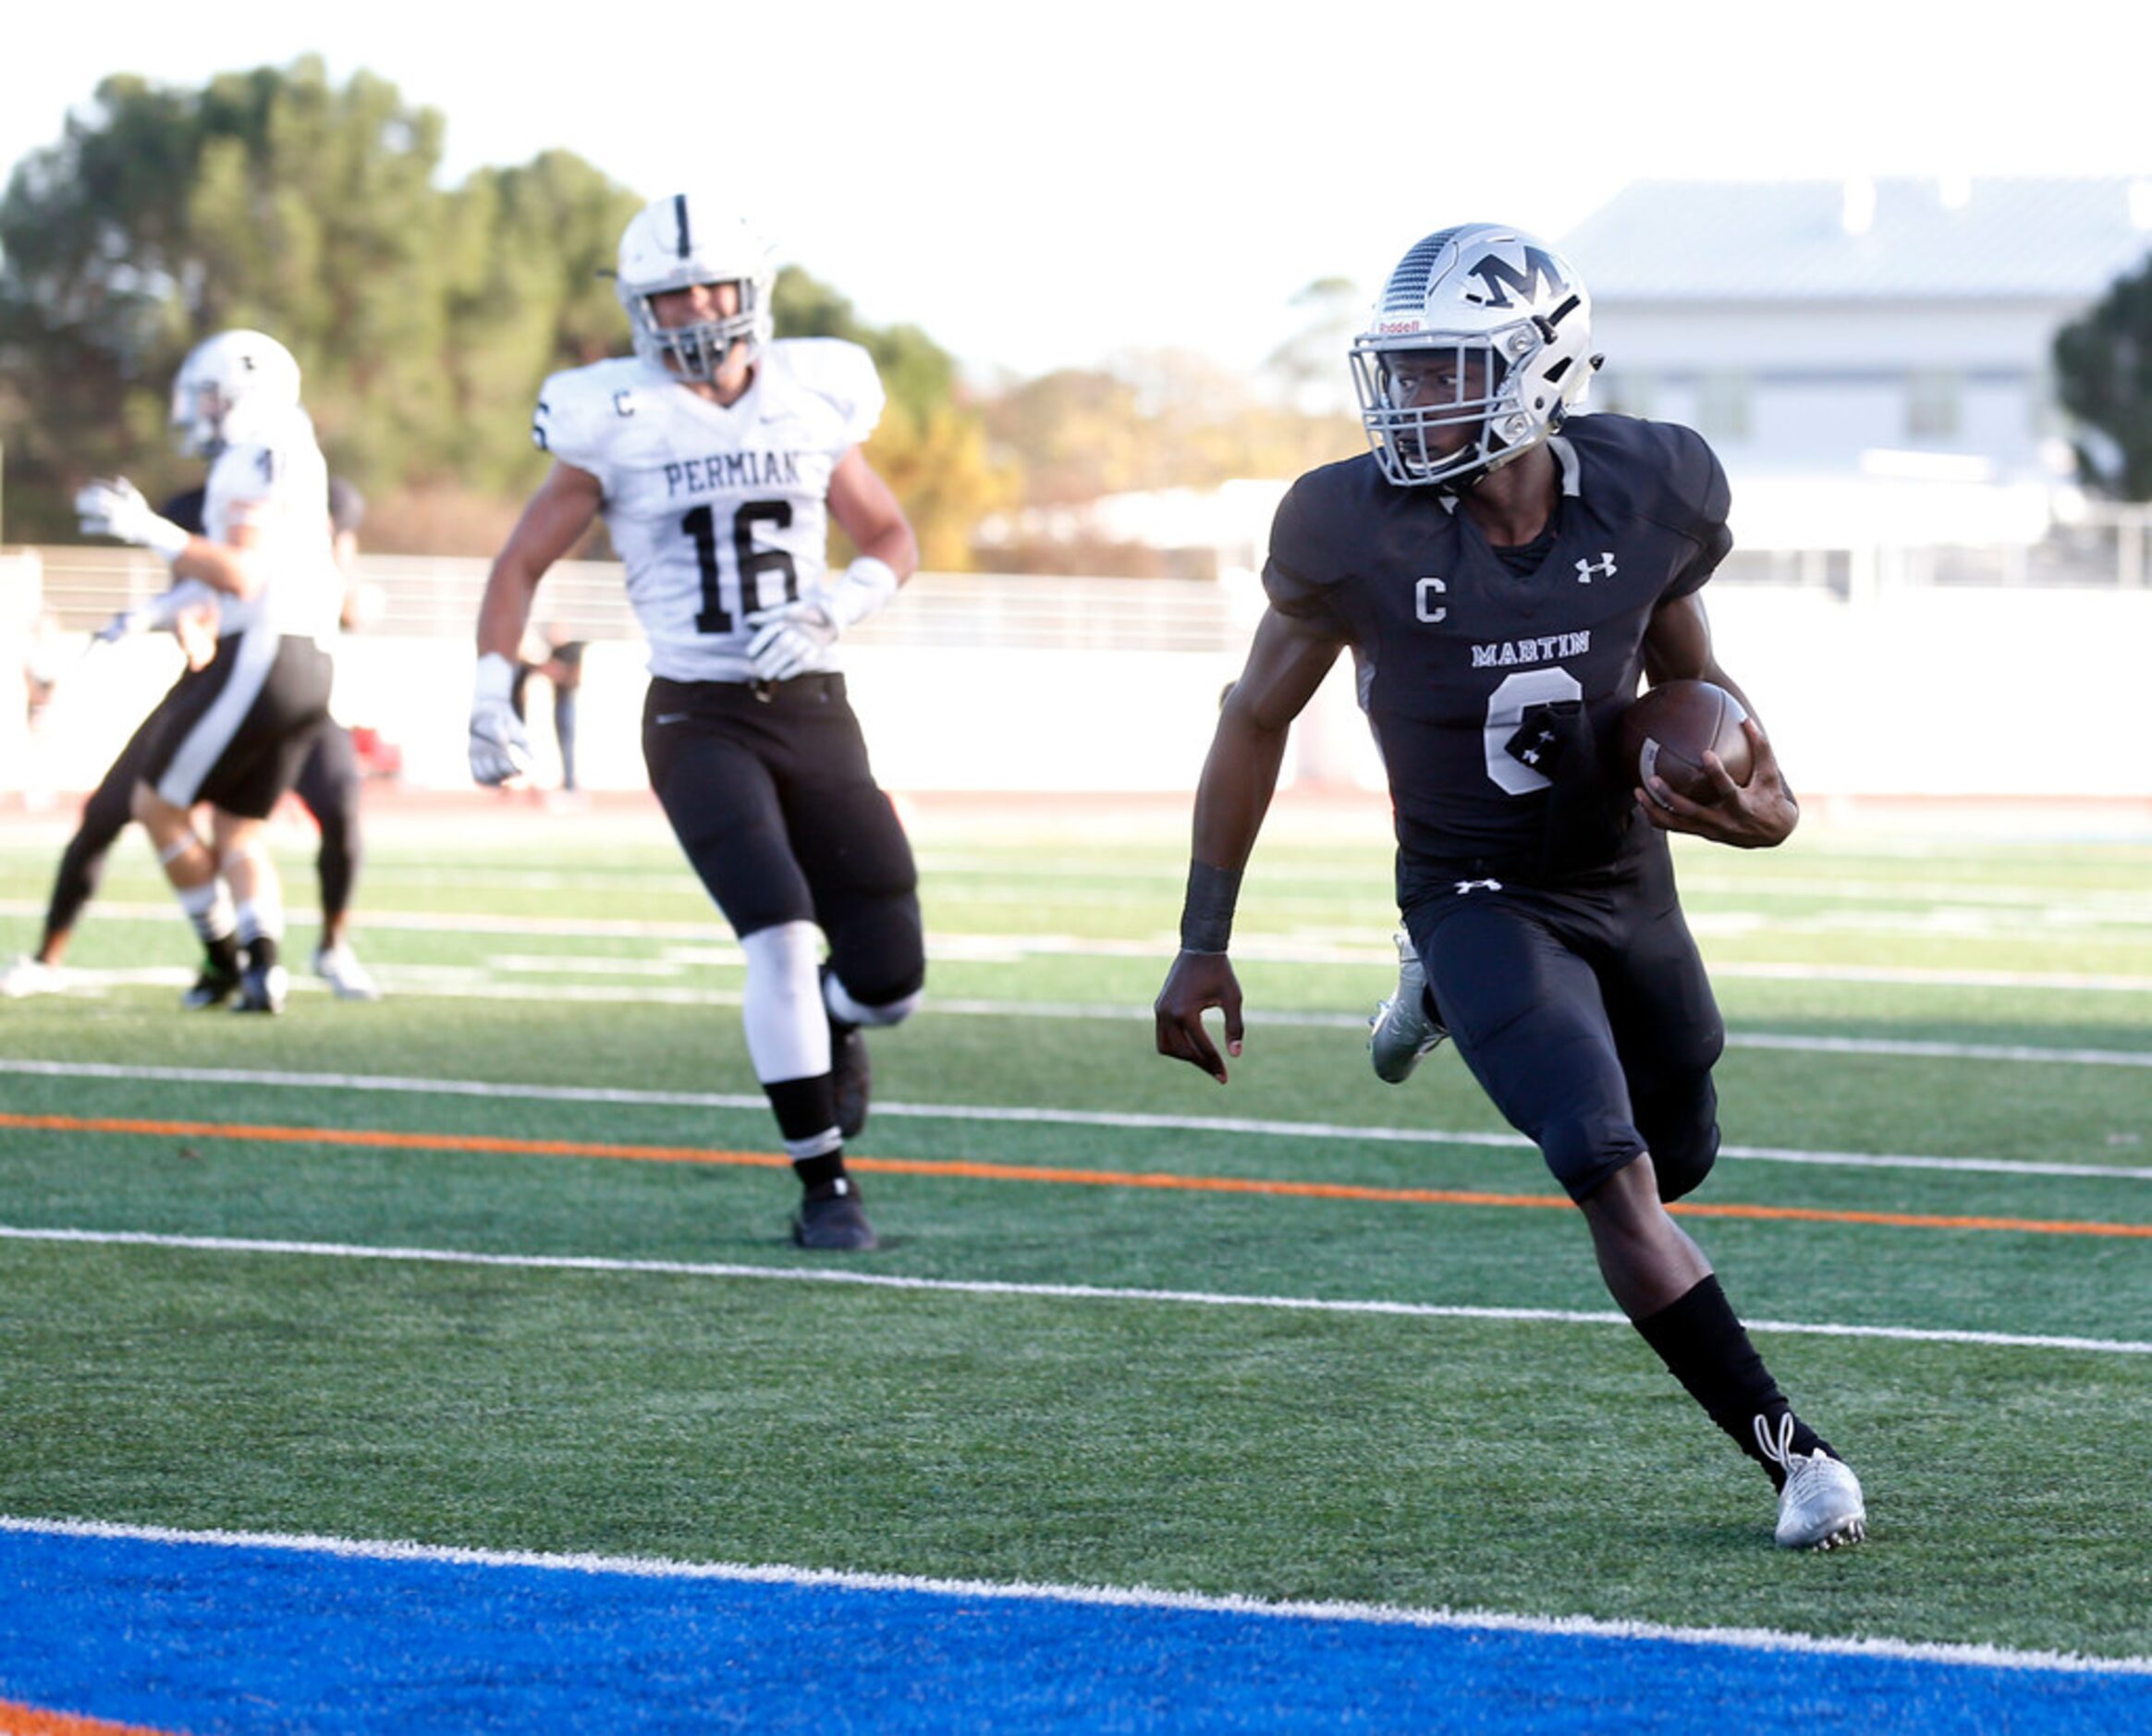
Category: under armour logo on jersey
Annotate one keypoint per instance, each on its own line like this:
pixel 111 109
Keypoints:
pixel 1603 568
pixel 1464 886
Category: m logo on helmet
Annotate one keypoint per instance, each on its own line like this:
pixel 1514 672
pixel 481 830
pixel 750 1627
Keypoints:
pixel 1498 277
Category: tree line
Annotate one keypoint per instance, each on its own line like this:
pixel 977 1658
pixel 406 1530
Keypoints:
pixel 427 317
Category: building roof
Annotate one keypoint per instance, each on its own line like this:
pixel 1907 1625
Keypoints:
pixel 1971 238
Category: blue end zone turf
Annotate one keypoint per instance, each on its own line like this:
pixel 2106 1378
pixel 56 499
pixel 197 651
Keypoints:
pixel 197 1636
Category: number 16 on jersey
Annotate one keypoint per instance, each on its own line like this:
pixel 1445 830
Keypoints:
pixel 748 591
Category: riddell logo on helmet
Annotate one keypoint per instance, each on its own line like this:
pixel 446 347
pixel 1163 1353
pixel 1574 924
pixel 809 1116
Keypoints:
pixel 1390 328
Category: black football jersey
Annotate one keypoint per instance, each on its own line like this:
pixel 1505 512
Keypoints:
pixel 1454 648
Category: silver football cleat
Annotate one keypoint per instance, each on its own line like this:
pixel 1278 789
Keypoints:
pixel 1402 1032
pixel 1820 1506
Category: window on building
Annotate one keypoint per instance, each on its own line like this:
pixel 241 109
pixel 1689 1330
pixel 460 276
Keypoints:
pixel 1934 405
pixel 1723 407
pixel 1631 392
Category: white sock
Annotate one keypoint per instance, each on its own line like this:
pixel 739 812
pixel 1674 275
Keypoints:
pixel 209 908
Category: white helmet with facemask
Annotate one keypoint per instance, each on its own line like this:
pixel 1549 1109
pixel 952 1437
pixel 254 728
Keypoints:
pixel 1501 324
pixel 677 243
pixel 235 376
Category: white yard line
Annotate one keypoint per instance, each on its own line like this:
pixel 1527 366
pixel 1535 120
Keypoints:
pixel 1053 1292
pixel 1113 1596
pixel 1011 1114
pixel 1316 946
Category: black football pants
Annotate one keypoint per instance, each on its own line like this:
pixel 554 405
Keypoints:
pixel 1583 1011
pixel 769 791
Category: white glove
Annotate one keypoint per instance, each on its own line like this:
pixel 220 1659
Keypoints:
pixel 791 637
pixel 499 749
pixel 114 507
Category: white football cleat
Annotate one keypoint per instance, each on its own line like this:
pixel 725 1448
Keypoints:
pixel 338 966
pixel 1401 1035
pixel 1820 1507
pixel 26 976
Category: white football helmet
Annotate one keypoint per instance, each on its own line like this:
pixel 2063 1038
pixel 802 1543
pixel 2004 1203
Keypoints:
pixel 1500 325
pixel 234 371
pixel 675 243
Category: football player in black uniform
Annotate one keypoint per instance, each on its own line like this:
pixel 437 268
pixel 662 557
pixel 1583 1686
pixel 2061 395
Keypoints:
pixel 1503 586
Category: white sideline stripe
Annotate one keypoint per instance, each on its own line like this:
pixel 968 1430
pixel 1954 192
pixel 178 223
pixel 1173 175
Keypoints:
pixel 1109 1596
pixel 1058 1293
pixel 1128 1118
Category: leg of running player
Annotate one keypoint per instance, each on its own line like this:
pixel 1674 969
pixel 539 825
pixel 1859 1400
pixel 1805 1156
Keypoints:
pixel 243 859
pixel 1528 1018
pixel 191 868
pixel 106 815
pixel 329 784
pixel 859 865
pixel 723 806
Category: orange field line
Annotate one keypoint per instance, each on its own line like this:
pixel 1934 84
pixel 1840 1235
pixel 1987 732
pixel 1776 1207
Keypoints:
pixel 384 1140
pixel 27 1720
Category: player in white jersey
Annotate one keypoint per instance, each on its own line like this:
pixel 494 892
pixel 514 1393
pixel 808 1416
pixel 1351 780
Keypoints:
pixel 719 456
pixel 237 737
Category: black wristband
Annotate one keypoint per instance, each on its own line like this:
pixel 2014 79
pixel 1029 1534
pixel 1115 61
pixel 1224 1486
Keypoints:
pixel 1206 913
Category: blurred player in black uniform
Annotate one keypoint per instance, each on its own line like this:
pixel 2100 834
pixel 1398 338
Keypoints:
pixel 328 781
pixel 559 665
pixel 1503 587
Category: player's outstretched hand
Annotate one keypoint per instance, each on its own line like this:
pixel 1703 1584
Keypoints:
pixel 114 506
pixel 1198 982
pixel 1755 815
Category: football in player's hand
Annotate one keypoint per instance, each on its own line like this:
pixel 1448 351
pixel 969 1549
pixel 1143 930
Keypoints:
pixel 1666 732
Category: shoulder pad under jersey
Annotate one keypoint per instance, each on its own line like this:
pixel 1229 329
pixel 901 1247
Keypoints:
pixel 838 372
pixel 581 411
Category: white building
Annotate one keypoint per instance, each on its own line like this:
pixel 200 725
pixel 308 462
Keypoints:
pixel 1871 359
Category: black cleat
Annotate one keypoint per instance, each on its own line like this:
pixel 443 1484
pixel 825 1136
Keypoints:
pixel 851 1078
pixel 261 990
pixel 832 1221
pixel 217 985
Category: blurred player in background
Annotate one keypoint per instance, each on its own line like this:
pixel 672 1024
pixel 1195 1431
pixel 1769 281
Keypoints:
pixel 719 456
pixel 236 731
pixel 328 782
pixel 558 661
pixel 1503 586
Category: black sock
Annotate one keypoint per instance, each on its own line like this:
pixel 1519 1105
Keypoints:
pixel 806 1112
pixel 1707 1349
pixel 223 954
pixel 261 952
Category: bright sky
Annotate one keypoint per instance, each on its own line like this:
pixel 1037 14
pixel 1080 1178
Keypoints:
pixel 1042 187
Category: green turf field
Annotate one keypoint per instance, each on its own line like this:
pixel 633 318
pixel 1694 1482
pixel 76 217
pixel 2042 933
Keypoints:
pixel 1978 1011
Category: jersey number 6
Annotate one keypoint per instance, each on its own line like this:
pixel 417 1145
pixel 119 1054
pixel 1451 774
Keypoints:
pixel 701 524
pixel 1506 707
